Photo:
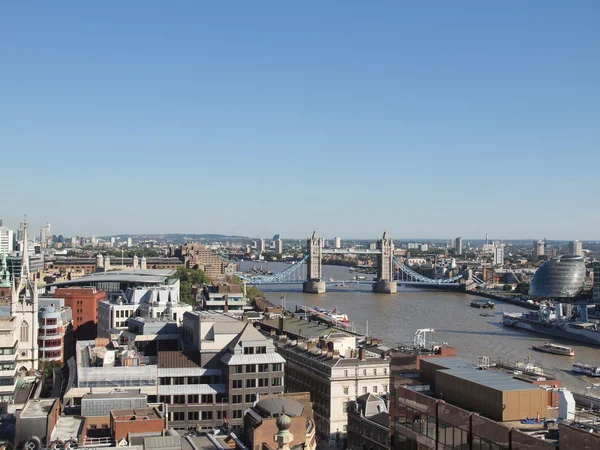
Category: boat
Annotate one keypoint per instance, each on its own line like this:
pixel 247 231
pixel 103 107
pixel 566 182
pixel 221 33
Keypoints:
pixel 546 321
pixel 483 304
pixel 586 369
pixel 486 315
pixel 549 347
pixel 325 315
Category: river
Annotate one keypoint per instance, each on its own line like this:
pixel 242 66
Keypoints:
pixel 395 318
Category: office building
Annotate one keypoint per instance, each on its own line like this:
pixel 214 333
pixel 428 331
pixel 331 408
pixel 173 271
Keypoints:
pixel 576 248
pixel 83 302
pixel 338 242
pixel 260 245
pixel 458 246
pixel 5 279
pixel 223 298
pixel 562 276
pixel 278 246
pixel 539 249
pixel 443 402
pixel 129 242
pixel 154 302
pixel 6 241
pixel 55 333
pixel 335 371
pixel 498 255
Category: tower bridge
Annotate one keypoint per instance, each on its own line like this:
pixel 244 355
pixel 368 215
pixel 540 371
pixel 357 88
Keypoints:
pixel 385 281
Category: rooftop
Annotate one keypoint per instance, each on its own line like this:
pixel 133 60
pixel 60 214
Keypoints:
pixel 37 408
pixel 494 379
pixel 149 276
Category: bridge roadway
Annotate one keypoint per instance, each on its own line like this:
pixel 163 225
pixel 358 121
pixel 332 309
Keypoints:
pixel 257 282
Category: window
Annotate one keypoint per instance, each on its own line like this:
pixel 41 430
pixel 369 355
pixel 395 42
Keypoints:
pixel 178 416
pixel 193 415
pixel 345 406
pixel 248 350
pixel 250 368
pixel 165 381
pixel 237 384
pixel 374 371
pixel 250 383
pixel 236 399
pixel 250 398
pixel 385 388
pixel 345 428
pixel 237 413
pixel 179 399
pixel 165 399
pixel 206 415
pixel 193 398
pixel 277 382
pixel 276 367
pixel 24 332
pixel 345 390
pixel 236 369
pixel 261 350
pixel 375 389
pixel 263 367
pixel 206 398
pixel 385 371
pixel 263 382
pixel 364 372
pixel 345 374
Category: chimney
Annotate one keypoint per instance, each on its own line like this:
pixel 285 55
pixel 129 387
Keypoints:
pixel 281 324
pixel 362 354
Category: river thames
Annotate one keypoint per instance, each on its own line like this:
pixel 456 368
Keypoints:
pixel 395 318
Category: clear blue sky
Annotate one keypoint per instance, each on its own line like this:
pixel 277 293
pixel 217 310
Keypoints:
pixel 435 119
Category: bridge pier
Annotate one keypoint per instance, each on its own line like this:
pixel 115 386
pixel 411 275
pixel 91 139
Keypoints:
pixel 385 287
pixel 314 287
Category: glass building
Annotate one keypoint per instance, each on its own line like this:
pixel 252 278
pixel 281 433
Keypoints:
pixel 560 277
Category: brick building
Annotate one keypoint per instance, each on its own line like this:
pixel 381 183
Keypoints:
pixel 368 424
pixel 197 256
pixel 126 421
pixel 84 306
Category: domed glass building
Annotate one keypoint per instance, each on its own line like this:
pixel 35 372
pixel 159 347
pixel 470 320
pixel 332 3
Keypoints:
pixel 560 277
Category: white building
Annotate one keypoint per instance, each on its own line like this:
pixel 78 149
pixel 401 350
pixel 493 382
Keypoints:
pixel 278 246
pixel 260 245
pixel 539 249
pixel 129 242
pixel 335 374
pixel 6 241
pixel 338 242
pixel 458 246
pixel 499 255
pixel 152 302
pixel 576 248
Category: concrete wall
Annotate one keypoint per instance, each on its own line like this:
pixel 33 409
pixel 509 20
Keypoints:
pixel 571 438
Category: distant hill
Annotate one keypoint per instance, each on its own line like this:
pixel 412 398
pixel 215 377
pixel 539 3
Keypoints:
pixel 180 237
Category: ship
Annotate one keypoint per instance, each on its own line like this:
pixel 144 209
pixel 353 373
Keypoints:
pixel 546 321
pixel 331 317
pixel 586 369
pixel 488 304
pixel 555 349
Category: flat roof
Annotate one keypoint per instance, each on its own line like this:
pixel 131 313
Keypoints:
pixel 491 378
pixel 37 408
pixel 127 394
pixel 149 276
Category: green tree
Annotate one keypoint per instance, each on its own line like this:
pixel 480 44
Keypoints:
pixel 523 288
pixel 507 287
pixel 188 279
pixel 252 292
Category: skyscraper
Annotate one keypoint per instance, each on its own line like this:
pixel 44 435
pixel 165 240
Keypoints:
pixel 539 249
pixel 338 242
pixel 6 241
pixel 458 246
pixel 576 248
pixel 498 255
pixel 129 242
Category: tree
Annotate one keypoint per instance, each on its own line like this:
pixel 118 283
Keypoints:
pixel 252 292
pixel 188 279
pixel 507 287
pixel 523 288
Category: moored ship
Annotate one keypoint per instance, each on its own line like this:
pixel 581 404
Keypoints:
pixel 586 369
pixel 546 321
pixel 555 349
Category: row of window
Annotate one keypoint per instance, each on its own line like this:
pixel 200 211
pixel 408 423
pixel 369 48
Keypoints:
pixel 187 399
pixel 365 389
pixel 365 372
pixel 253 368
pixel 168 381
pixel 261 350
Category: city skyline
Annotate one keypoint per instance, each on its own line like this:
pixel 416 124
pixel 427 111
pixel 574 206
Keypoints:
pixel 344 118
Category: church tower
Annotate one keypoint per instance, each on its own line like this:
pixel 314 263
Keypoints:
pixel 24 308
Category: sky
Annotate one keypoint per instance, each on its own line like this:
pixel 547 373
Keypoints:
pixel 426 119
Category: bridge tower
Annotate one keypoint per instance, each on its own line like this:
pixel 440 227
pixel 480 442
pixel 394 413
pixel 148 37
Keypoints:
pixel 314 283
pixel 385 283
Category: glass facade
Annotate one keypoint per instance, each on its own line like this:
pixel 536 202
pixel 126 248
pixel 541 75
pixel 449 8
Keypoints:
pixel 560 277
